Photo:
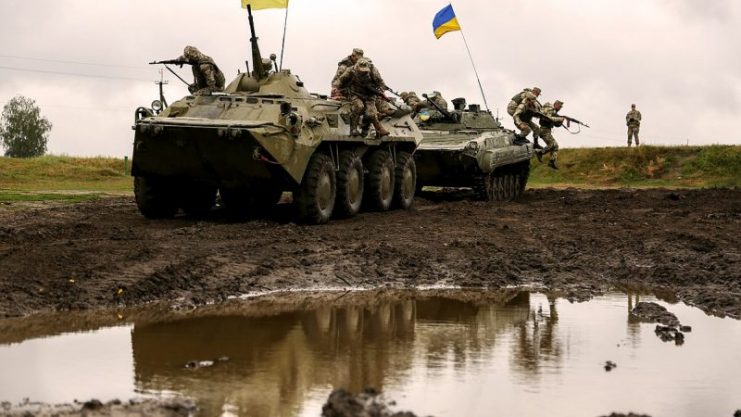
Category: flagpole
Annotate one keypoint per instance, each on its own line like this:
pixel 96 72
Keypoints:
pixel 285 26
pixel 473 64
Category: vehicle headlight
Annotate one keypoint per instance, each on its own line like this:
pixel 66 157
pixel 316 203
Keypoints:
pixel 472 146
pixel 157 106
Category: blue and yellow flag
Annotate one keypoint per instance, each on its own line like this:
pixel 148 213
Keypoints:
pixel 444 21
pixel 265 4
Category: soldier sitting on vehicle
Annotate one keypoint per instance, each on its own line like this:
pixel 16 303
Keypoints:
pixel 206 74
pixel 342 66
pixel 363 86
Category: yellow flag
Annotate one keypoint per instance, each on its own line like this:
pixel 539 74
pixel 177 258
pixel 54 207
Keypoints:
pixel 265 4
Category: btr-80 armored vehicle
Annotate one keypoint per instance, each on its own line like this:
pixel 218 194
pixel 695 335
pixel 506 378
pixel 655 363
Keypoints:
pixel 468 147
pixel 266 134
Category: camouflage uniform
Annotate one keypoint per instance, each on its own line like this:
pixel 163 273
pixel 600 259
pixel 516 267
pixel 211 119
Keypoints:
pixel 523 116
pixel 342 66
pixel 526 94
pixel 633 120
pixel 363 86
pixel 438 99
pixel 206 74
pixel 546 126
pixel 412 100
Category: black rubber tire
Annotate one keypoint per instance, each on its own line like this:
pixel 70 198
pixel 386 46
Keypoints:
pixel 350 184
pixel 379 186
pixel 196 199
pixel 155 197
pixel 405 180
pixel 315 199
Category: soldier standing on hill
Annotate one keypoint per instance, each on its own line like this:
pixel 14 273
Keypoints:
pixel 548 121
pixel 633 120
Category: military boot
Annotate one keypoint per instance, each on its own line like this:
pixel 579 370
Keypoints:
pixel 552 164
pixel 364 130
pixel 539 155
pixel 536 145
pixel 353 126
pixel 380 130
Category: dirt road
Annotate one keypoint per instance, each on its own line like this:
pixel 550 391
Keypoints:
pixel 104 253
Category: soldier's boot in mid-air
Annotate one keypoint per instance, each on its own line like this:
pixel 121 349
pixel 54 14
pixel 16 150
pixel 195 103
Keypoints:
pixel 380 130
pixel 536 145
pixel 552 164
pixel 539 155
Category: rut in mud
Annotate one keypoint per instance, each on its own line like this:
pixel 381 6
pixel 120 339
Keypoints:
pixel 105 254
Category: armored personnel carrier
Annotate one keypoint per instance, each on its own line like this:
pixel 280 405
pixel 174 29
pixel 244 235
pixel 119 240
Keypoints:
pixel 266 134
pixel 468 147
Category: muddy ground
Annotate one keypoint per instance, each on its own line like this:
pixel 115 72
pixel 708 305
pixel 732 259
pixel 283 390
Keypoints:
pixel 579 242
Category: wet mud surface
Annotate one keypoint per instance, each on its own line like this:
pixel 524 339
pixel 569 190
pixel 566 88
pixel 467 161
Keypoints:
pixel 104 254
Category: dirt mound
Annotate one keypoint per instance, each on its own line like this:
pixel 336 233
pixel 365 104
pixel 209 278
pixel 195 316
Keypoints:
pixel 576 242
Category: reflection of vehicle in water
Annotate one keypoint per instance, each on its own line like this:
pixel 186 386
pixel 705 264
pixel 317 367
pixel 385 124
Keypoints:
pixel 264 135
pixel 468 147
pixel 277 361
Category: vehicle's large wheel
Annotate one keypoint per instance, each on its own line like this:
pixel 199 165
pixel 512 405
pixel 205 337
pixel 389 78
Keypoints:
pixel 406 180
pixel 196 199
pixel 350 183
pixel 379 186
pixel 316 196
pixel 155 197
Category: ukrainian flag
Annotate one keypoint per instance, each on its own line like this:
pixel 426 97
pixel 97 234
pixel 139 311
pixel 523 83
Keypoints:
pixel 265 4
pixel 445 21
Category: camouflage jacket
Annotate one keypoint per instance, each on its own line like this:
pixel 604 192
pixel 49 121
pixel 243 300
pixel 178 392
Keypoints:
pixel 552 119
pixel 342 66
pixel 523 95
pixel 526 110
pixel 358 85
pixel 205 70
pixel 633 118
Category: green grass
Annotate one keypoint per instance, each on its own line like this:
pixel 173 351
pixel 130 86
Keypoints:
pixel 646 166
pixel 64 173
pixel 73 179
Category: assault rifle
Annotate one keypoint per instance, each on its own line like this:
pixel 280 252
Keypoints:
pixel 568 119
pixel 438 108
pixel 173 62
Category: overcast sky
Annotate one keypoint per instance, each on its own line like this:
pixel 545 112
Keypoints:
pixel 85 61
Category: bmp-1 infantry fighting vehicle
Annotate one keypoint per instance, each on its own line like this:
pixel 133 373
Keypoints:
pixel 468 147
pixel 266 134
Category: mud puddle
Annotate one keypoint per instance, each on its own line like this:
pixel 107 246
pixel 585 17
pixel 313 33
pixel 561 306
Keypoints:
pixel 443 354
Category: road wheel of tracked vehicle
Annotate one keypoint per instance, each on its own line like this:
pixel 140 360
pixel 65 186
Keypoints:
pixel 350 183
pixel 379 187
pixel 155 197
pixel 482 188
pixel 406 180
pixel 316 196
pixel 197 199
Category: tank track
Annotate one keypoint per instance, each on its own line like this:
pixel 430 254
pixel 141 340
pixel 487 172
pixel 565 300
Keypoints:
pixel 504 184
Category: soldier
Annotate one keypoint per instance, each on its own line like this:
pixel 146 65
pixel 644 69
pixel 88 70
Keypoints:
pixel 207 77
pixel 440 101
pixel 342 66
pixel 548 120
pixel 529 96
pixel 633 120
pixel 412 100
pixel 523 116
pixel 363 86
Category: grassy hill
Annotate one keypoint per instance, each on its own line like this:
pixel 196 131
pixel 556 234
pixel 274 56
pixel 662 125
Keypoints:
pixel 73 178
pixel 645 166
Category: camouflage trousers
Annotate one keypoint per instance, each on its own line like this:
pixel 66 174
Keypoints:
pixel 363 106
pixel 550 141
pixel 526 127
pixel 206 76
pixel 633 133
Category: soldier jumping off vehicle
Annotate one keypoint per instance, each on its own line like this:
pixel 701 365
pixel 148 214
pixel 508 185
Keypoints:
pixel 633 120
pixel 364 86
pixel 549 119
pixel 207 77
pixel 528 99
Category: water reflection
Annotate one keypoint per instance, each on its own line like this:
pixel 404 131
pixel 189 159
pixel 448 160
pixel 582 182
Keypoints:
pixel 276 362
